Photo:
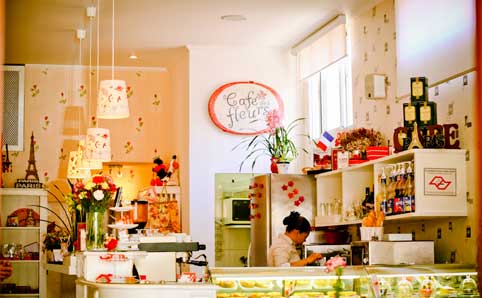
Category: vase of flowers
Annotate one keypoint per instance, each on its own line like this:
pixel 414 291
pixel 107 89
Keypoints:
pixel 276 143
pixel 336 264
pixel 95 230
pixel 94 198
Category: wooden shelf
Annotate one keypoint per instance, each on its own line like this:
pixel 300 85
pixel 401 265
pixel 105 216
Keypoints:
pixel 23 261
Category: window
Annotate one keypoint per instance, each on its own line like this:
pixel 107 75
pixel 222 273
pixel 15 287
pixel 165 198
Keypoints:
pixel 329 96
pixel 13 107
pixel 325 76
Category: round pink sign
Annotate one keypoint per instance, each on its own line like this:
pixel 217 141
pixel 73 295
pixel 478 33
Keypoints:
pixel 241 107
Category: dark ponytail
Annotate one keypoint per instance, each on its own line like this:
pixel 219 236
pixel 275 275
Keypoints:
pixel 295 221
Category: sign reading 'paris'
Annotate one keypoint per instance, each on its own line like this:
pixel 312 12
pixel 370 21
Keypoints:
pixel 241 107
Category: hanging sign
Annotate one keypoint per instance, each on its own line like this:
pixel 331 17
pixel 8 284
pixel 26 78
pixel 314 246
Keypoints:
pixel 241 107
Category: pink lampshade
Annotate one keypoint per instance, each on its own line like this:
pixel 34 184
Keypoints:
pixel 74 171
pixel 112 102
pixel 88 164
pixel 97 145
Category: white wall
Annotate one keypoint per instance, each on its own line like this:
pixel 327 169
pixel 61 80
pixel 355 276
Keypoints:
pixel 210 148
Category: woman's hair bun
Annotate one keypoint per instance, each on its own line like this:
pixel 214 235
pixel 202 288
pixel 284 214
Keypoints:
pixel 290 219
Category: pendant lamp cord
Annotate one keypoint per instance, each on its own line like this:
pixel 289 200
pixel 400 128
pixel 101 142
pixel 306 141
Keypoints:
pixel 113 23
pixel 90 69
pixel 80 67
pixel 98 48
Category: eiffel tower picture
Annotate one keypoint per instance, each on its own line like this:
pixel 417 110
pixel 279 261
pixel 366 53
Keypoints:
pixel 32 168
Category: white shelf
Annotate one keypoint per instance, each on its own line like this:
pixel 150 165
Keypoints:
pixel 121 209
pixel 19 228
pixel 336 224
pixel 237 226
pixel 30 272
pixel 19 295
pixel 23 261
pixel 122 226
pixel 348 185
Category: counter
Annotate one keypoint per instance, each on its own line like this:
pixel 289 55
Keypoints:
pixel 87 289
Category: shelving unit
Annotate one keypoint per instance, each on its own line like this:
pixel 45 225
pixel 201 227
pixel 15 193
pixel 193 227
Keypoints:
pixel 433 199
pixel 25 272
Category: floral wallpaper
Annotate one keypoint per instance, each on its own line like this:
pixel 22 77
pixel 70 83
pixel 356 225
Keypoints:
pixel 373 35
pixel 59 107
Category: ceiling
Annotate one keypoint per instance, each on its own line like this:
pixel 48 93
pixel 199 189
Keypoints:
pixel 43 32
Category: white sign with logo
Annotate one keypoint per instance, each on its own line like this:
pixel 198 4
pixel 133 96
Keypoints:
pixel 241 107
pixel 440 182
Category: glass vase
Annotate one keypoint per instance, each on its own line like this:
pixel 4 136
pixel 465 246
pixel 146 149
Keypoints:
pixel 95 231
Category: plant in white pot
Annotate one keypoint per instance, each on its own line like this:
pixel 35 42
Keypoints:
pixel 276 143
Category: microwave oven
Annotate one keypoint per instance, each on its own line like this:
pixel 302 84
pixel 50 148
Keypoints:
pixel 236 211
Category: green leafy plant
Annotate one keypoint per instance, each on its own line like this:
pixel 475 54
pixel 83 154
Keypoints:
pixel 276 143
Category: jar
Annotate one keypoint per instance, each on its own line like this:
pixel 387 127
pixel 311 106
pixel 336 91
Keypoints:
pixel 139 213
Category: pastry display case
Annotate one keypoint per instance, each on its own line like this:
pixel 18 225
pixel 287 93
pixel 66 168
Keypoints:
pixel 444 280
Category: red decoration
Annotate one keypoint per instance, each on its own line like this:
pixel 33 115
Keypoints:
pixel 284 187
pixel 291 183
pixel 295 191
pixel 291 195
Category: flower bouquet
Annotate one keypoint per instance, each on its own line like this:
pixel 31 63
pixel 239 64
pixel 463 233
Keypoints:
pixel 275 143
pixel 94 198
pixel 358 140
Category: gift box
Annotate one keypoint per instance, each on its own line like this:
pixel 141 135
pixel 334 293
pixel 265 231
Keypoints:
pixel 374 152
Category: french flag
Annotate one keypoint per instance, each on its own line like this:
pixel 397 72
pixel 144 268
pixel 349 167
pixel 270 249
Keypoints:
pixel 325 141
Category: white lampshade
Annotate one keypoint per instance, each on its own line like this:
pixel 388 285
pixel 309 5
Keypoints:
pixel 112 101
pixel 88 164
pixel 97 146
pixel 74 171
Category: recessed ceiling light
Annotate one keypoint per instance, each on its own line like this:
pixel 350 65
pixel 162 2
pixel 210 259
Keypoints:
pixel 233 17
pixel 133 56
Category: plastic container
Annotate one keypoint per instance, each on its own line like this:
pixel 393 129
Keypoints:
pixel 371 233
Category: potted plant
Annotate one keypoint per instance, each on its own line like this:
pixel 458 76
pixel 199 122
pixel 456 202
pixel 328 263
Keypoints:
pixel 276 143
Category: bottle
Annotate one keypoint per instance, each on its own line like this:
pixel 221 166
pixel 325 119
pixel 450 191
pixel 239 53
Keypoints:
pixel 382 192
pixel 391 191
pixel 410 189
pixel 401 187
pixel 367 203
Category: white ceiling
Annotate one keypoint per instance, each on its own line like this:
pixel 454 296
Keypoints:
pixel 44 31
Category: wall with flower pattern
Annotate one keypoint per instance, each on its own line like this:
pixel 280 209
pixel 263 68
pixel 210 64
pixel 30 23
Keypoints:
pixel 373 38
pixel 58 110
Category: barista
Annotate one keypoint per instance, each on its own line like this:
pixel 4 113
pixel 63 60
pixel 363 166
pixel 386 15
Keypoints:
pixel 283 250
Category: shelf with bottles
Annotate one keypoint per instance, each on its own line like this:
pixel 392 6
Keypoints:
pixel 439 186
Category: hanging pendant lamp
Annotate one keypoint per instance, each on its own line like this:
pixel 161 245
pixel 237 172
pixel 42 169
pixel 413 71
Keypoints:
pixel 75 157
pixel 97 146
pixel 90 164
pixel 112 100
pixel 74 171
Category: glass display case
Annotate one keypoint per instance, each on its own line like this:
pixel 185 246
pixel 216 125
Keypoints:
pixel 444 280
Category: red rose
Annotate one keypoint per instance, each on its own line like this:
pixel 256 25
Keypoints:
pixel 291 183
pixel 98 179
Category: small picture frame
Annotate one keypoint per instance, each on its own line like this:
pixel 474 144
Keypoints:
pixel 118 197
pixel 12 221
